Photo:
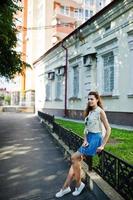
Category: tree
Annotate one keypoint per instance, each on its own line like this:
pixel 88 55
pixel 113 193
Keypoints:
pixel 10 60
pixel 7 99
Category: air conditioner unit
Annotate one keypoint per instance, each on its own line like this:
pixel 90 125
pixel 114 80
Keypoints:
pixel 87 61
pixel 60 71
pixel 51 76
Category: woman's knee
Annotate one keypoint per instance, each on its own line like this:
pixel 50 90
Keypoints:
pixel 76 157
pixel 76 161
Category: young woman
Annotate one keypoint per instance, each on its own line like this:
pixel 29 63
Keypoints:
pixel 93 142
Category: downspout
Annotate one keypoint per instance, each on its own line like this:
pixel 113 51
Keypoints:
pixel 65 74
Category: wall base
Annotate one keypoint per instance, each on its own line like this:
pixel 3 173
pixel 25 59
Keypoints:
pixel 118 118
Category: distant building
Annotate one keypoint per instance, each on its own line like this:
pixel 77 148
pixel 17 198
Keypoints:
pixel 3 94
pixel 96 56
pixel 48 22
pixel 17 85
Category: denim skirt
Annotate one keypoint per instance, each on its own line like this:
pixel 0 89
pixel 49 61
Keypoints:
pixel 94 140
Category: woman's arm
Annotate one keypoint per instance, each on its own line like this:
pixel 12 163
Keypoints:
pixel 85 143
pixel 108 130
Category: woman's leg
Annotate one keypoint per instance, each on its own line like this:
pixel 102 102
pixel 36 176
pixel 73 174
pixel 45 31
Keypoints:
pixel 76 164
pixel 66 189
pixel 75 170
pixel 69 178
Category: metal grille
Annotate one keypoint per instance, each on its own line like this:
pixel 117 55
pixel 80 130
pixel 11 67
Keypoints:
pixel 117 173
pixel 46 117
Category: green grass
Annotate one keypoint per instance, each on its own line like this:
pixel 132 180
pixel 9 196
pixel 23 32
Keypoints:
pixel 120 142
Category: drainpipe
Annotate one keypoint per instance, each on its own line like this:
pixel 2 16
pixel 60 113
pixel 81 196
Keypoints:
pixel 65 74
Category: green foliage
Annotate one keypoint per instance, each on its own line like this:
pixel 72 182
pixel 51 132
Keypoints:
pixel 120 142
pixel 1 96
pixel 10 60
pixel 7 99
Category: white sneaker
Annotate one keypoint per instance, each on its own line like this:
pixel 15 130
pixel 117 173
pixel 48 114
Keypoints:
pixel 79 189
pixel 61 193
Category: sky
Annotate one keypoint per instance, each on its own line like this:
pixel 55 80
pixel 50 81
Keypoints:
pixel 5 84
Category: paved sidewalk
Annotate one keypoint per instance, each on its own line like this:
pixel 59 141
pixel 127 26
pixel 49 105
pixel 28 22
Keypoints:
pixel 32 166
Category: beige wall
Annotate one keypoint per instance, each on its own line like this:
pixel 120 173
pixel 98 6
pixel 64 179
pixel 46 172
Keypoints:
pixel 48 22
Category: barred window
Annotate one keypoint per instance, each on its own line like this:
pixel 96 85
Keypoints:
pixel 48 91
pixel 130 62
pixel 76 81
pixel 58 90
pixel 108 74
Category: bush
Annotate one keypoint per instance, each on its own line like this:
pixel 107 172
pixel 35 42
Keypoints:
pixel 7 100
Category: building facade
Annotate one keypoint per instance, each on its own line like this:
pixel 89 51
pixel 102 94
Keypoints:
pixel 42 24
pixel 56 19
pixel 96 56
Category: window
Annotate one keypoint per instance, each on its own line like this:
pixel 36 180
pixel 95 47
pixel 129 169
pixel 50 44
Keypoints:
pixel 86 14
pixel 87 1
pixel 48 91
pixel 62 9
pixel 91 13
pixel 58 87
pixel 76 13
pixel 87 60
pixel 130 63
pixel 108 74
pixel 107 27
pixel 91 2
pixel 80 13
pixel 65 10
pixel 75 81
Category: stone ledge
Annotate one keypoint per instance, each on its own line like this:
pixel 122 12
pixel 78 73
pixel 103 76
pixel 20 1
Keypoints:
pixel 24 109
pixel 95 183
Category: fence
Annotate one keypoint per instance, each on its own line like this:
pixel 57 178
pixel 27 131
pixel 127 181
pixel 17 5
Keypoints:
pixel 114 170
pixel 118 173
pixel 46 117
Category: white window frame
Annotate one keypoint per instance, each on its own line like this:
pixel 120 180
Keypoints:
pixel 77 61
pixel 76 81
pixel 110 46
pixel 87 17
pixel 91 13
pixel 130 45
pixel 81 14
pixel 78 14
pixel 48 93
pixel 65 10
pixel 59 91
pixel 108 87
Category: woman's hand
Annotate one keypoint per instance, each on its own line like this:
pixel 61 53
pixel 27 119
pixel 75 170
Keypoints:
pixel 85 143
pixel 99 149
